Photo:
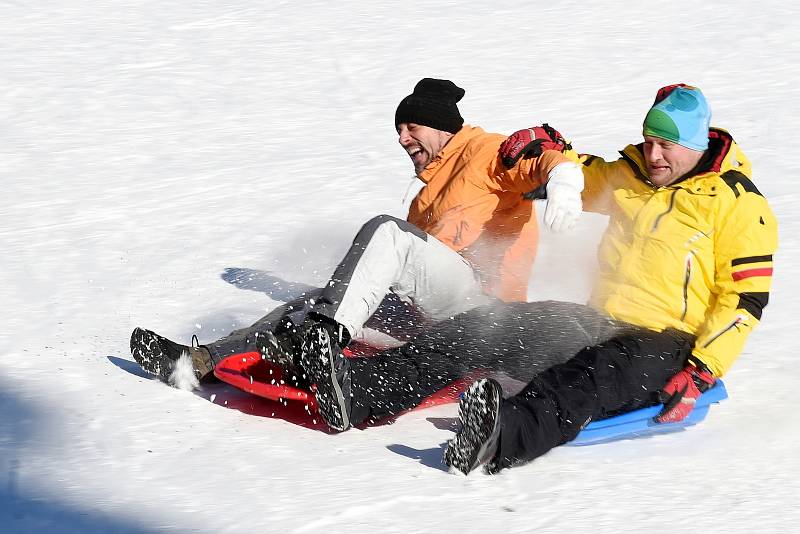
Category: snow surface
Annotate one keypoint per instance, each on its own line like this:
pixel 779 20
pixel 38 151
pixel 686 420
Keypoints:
pixel 187 166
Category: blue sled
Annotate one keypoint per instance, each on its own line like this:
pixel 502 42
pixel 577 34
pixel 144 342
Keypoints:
pixel 641 423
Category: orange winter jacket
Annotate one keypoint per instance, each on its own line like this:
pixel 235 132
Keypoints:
pixel 477 207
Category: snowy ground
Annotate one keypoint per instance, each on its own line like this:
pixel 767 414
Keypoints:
pixel 156 155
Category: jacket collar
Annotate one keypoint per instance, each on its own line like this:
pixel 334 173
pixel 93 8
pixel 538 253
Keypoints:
pixel 453 147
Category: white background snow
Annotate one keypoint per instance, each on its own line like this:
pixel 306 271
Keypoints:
pixel 187 166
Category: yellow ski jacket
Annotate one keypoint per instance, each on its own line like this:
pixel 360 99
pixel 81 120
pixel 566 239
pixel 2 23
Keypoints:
pixel 695 255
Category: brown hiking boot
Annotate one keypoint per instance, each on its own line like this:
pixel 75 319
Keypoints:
pixel 158 355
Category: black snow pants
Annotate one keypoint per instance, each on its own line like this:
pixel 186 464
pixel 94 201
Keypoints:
pixel 520 339
pixel 620 374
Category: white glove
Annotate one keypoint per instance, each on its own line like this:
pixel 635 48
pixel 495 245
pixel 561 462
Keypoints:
pixel 564 206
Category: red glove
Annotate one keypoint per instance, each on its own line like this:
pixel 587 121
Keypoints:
pixel 682 390
pixel 530 143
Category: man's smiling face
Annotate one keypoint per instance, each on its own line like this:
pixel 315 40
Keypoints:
pixel 422 143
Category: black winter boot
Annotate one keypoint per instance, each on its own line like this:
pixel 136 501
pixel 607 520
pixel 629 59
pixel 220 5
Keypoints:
pixel 157 355
pixel 322 359
pixel 479 414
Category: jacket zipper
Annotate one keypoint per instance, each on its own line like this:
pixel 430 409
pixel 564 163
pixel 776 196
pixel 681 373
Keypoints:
pixel 735 323
pixel 686 278
pixel 669 209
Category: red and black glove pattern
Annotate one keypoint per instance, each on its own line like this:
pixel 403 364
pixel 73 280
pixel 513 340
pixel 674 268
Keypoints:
pixel 682 391
pixel 530 143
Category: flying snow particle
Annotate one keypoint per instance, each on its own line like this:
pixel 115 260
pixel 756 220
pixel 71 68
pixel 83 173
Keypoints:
pixel 182 376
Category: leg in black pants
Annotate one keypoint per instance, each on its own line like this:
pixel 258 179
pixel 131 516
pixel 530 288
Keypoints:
pixel 623 373
pixel 519 339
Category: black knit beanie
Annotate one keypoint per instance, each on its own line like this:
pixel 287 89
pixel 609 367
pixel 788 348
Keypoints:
pixel 433 104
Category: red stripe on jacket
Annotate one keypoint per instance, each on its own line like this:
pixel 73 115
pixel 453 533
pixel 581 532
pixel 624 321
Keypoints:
pixel 749 273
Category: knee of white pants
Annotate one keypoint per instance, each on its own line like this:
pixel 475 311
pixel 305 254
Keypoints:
pixel 388 233
pixel 415 266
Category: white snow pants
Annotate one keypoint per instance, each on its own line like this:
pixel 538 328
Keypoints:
pixel 392 255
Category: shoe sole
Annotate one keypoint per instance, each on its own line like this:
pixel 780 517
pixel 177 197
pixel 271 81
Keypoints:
pixel 147 352
pixel 344 421
pixel 478 412
pixel 330 398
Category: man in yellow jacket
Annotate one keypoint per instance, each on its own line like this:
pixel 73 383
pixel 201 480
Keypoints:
pixel 470 236
pixel 685 271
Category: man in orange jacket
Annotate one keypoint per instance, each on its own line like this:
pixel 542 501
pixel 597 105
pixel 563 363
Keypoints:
pixel 471 202
pixel 470 236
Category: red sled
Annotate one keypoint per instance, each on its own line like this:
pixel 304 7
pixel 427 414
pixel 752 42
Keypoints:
pixel 251 373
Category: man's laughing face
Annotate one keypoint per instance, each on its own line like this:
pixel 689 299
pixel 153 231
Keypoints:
pixel 422 143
